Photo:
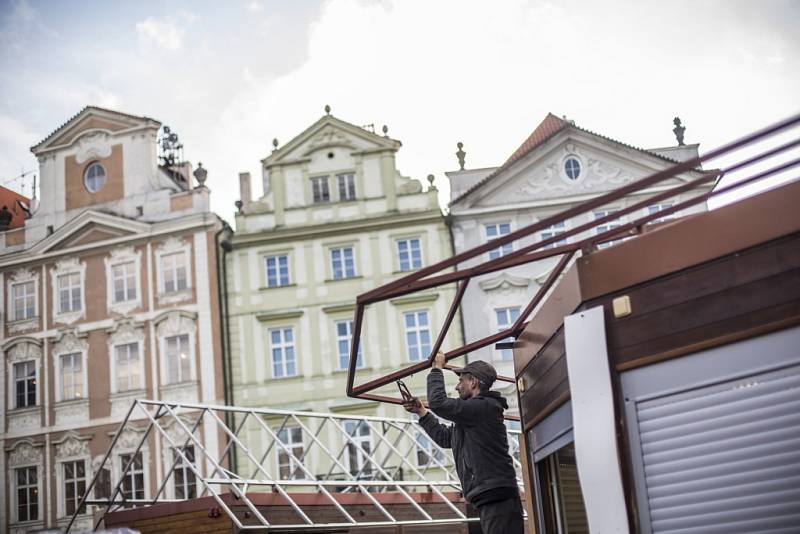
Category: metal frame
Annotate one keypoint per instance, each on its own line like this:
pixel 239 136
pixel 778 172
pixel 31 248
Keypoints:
pixel 389 466
pixel 435 275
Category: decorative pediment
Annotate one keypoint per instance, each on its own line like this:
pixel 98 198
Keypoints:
pixel 504 282
pixel 175 322
pixel 329 132
pixel 70 340
pixel 23 349
pixel 125 331
pixel 72 445
pixel 129 439
pixel 90 227
pixel 85 127
pixel 24 452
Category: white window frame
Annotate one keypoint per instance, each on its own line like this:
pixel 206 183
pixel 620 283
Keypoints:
pixel 358 440
pixel 189 355
pixel 407 241
pixel 71 448
pixel 120 467
pixel 557 229
pixel 171 324
pixel 610 225
pixel 14 381
pixel 500 251
pixel 14 489
pixel 82 354
pixel 65 267
pixel 22 276
pixel 348 179
pixel 505 355
pixel 417 331
pixel 295 472
pixel 20 352
pixel 127 443
pixel 282 345
pixel 115 373
pixel 323 179
pixel 171 246
pixel 348 340
pixel 342 248
pixel 180 465
pixel 62 484
pixel 661 206
pixel 117 257
pixel 277 257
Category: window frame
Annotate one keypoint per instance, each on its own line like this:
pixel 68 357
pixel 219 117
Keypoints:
pixel 279 281
pixel 348 180
pixel 86 177
pixel 171 246
pixel 661 207
pixel 324 192
pixel 132 472
pixel 610 225
pixel 69 266
pixel 14 381
pixel 182 467
pixel 291 444
pixel 502 250
pixel 343 261
pixel 282 345
pixel 505 355
pixel 15 494
pixel 190 356
pixel 344 359
pixel 63 485
pixel 115 367
pixel 13 298
pixel 554 230
pixel 60 383
pixel 354 451
pixel 417 330
pixel 75 283
pixel 411 264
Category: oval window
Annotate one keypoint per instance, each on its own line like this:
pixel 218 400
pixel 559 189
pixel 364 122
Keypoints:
pixel 95 177
pixel 572 168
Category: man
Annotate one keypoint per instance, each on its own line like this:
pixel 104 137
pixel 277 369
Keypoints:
pixel 478 439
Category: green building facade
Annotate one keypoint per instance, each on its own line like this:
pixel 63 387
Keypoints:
pixel 336 219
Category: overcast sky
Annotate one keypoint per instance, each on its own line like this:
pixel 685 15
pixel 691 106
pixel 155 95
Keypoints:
pixel 231 76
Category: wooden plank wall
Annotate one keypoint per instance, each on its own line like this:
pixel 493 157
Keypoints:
pixel 545 382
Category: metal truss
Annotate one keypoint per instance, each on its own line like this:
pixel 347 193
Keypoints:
pixel 296 453
pixel 769 153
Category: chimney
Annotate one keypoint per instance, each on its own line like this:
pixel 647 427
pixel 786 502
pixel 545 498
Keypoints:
pixel 244 190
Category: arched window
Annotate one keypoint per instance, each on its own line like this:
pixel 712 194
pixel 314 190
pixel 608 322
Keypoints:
pixel 95 177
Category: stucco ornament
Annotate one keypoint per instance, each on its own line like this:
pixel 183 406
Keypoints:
pixel 25 452
pixel 175 323
pixel 71 447
pixel 93 146
pixel 23 351
pixel 70 340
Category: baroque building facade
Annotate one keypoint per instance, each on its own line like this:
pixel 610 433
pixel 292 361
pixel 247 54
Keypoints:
pixel 336 219
pixel 558 166
pixel 110 294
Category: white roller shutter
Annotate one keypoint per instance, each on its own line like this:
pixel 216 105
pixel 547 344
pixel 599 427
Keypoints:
pixel 724 458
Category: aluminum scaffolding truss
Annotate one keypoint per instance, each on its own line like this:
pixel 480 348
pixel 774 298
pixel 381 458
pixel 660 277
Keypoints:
pixel 281 452
pixel 769 153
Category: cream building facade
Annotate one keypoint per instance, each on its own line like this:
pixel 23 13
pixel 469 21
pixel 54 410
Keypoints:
pixel 558 166
pixel 110 294
pixel 336 219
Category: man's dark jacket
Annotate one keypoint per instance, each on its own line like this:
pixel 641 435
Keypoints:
pixel 478 437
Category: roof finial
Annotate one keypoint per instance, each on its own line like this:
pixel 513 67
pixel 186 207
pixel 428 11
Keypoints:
pixel 678 130
pixel 385 131
pixel 275 144
pixel 432 187
pixel 327 109
pixel 461 155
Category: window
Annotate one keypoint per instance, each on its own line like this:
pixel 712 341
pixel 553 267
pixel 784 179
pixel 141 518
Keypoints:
pixel 95 177
pixel 505 318
pixel 277 271
pixel 127 366
pixel 572 168
pixel 553 231
pixel 133 481
pixel 282 347
pixel 657 208
pixel 292 438
pixel 344 333
pixel 173 269
pixel 427 452
pixel 185 480
pixel 562 503
pixel 342 263
pixel 27 494
pixel 23 301
pixel 606 226
pixel 359 449
pixel 179 364
pixel 25 384
pixel 319 189
pixel 123 276
pixel 71 376
pixel 70 292
pixel 74 485
pixel 409 254
pixel 418 336
pixel 346 183
pixel 493 231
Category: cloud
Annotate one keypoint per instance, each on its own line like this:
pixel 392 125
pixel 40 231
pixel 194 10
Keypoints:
pixel 162 33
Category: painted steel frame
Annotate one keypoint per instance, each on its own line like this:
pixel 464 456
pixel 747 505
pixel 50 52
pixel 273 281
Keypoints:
pixel 435 276
pixel 383 464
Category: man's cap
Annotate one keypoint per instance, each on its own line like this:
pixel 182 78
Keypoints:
pixel 481 370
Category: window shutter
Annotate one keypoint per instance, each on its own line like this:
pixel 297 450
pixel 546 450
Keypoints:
pixel 724 458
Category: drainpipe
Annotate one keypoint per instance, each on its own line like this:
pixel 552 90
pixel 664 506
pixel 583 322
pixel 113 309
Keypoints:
pixel 222 295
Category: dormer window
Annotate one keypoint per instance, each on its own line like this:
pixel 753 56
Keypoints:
pixel 95 177
pixel 319 189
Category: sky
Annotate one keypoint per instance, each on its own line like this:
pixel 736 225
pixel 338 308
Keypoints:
pixel 230 76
